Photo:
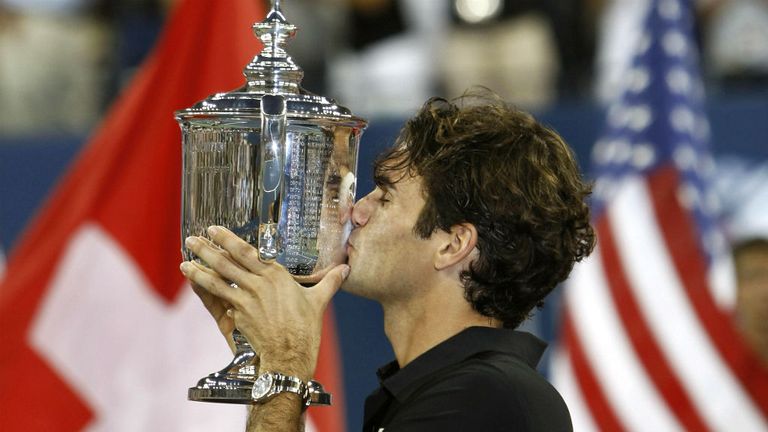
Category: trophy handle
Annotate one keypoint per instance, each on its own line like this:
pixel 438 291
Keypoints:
pixel 273 122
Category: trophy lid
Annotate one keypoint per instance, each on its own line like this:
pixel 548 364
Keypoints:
pixel 272 71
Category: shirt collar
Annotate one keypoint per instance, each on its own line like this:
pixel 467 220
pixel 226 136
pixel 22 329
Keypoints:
pixel 470 341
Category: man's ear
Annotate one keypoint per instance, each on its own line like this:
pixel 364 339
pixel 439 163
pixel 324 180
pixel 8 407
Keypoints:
pixel 459 243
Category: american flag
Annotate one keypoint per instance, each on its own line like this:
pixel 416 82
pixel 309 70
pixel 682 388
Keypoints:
pixel 648 343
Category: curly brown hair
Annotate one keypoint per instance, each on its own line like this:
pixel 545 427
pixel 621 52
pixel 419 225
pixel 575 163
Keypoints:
pixel 484 162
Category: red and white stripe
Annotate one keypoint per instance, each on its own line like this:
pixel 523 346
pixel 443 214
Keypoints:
pixel 645 345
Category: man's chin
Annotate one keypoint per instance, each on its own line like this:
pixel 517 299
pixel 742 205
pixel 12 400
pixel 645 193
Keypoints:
pixel 353 285
pixel 349 283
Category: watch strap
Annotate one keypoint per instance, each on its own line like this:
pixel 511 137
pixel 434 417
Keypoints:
pixel 317 395
pixel 287 383
pixel 269 384
pixel 312 393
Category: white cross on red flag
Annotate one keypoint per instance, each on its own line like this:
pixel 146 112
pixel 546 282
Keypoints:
pixel 99 331
pixel 649 343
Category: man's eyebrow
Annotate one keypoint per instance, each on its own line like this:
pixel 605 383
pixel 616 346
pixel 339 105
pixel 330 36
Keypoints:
pixel 382 180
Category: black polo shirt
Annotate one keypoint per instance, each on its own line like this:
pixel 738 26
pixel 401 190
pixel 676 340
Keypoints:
pixel 482 379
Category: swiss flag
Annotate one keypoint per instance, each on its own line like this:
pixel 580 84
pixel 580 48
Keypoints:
pixel 98 330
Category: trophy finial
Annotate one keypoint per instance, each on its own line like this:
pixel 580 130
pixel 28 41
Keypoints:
pixel 275 11
pixel 273 70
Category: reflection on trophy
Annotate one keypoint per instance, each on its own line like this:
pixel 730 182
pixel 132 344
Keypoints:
pixel 276 165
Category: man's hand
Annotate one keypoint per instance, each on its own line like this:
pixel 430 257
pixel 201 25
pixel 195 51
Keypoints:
pixel 281 319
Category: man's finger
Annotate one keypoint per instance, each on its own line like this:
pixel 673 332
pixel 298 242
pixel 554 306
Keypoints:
pixel 209 282
pixel 241 252
pixel 218 260
pixel 214 304
pixel 329 285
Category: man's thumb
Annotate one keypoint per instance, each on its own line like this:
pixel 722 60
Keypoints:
pixel 327 287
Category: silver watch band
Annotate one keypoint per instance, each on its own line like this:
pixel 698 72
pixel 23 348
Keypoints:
pixel 269 384
pixel 287 383
pixel 317 395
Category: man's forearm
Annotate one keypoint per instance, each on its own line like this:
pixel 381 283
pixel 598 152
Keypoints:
pixel 283 413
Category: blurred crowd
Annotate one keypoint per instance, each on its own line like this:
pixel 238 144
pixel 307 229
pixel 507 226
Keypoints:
pixel 743 188
pixel 62 61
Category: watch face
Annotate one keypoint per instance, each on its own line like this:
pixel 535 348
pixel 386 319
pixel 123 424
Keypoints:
pixel 262 386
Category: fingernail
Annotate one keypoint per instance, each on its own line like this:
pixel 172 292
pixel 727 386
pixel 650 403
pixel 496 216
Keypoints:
pixel 190 241
pixel 213 230
pixel 345 272
pixel 185 267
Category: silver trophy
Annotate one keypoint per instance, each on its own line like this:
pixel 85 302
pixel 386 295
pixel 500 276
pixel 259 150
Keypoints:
pixel 277 165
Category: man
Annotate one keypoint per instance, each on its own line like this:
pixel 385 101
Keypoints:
pixel 479 211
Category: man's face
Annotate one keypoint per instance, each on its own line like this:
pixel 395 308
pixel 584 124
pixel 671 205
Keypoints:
pixel 387 259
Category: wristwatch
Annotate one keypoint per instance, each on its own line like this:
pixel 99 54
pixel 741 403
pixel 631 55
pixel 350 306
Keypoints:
pixel 269 384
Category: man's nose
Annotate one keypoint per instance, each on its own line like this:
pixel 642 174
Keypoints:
pixel 361 211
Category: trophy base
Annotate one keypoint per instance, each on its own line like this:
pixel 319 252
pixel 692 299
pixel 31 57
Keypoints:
pixel 222 389
pixel 234 383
